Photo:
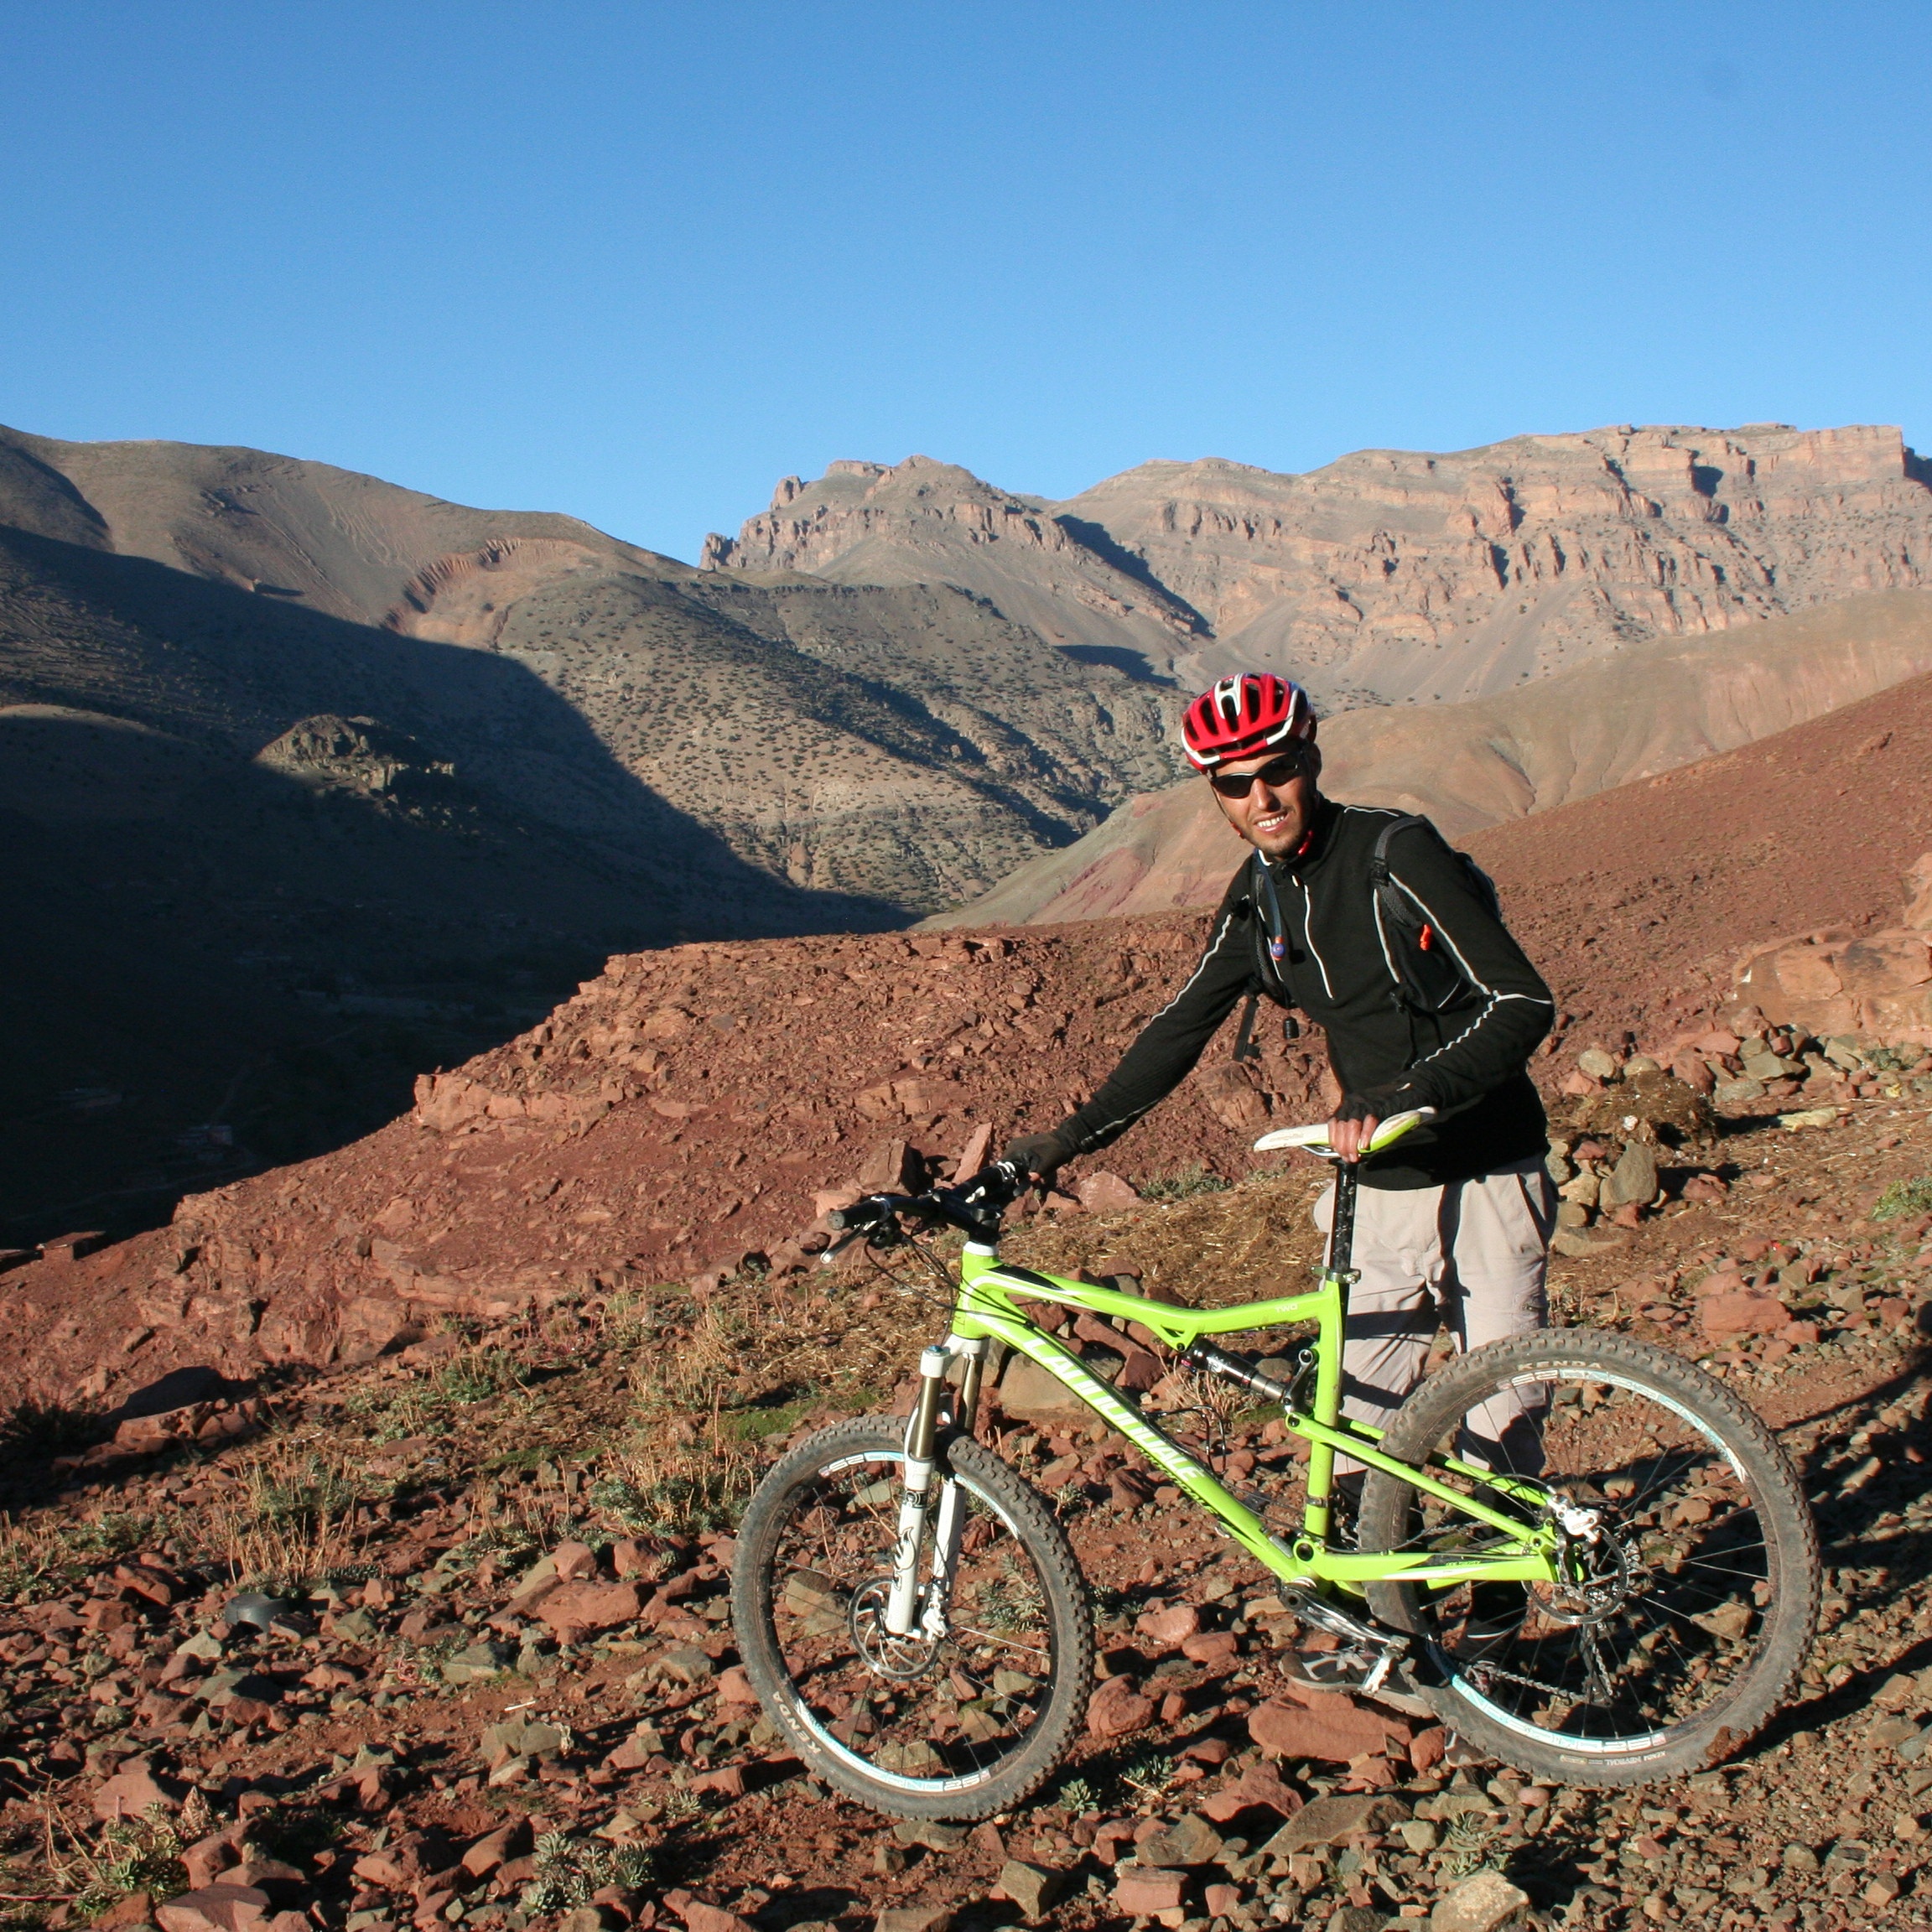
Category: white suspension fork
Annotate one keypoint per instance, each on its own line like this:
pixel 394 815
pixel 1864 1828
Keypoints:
pixel 903 1610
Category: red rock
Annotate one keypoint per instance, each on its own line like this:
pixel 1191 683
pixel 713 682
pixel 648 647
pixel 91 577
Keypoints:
pixel 1693 1072
pixel 1742 1314
pixel 630 1558
pixel 1104 1193
pixel 216 1909
pixel 1033 1888
pixel 734 1687
pixel 1261 1783
pixel 1334 1727
pixel 1218 1901
pixel 132 1789
pixel 1212 1646
pixel 580 1606
pixel 575 1561
pixel 1169 1627
pixel 496 1848
pixel 1140 1368
pixel 1224 1807
pixel 728 1783
pixel 1117 1708
pixel 1425 1749
pixel 698 1917
pixel 136 1908
pixel 1141 1894
pixel 206 1857
pixel 1799 1334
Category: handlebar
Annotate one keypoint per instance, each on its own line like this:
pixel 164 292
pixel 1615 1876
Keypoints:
pixel 979 1204
pixel 976 1206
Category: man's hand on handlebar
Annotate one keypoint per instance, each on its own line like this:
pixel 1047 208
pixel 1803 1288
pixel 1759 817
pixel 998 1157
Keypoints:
pixel 1041 1155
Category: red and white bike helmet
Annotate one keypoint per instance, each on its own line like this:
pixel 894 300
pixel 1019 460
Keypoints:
pixel 1243 717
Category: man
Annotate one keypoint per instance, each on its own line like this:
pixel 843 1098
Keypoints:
pixel 1453 1221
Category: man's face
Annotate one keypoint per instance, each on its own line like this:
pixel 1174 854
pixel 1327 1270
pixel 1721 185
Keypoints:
pixel 1274 813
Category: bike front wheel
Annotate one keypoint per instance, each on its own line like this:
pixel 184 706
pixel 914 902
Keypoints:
pixel 959 1726
pixel 1682 1615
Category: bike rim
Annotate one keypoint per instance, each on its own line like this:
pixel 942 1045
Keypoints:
pixel 1636 1646
pixel 975 1660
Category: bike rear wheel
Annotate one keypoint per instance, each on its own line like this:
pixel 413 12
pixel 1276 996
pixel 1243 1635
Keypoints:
pixel 1677 1632
pixel 961 1726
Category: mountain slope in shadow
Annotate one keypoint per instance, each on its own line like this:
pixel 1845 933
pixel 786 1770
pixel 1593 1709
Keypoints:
pixel 271 864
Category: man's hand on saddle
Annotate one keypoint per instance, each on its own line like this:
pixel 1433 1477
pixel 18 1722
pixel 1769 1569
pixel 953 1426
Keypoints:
pixel 1355 1120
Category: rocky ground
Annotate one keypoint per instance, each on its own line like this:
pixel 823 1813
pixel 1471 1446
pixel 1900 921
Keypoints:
pixel 443 1637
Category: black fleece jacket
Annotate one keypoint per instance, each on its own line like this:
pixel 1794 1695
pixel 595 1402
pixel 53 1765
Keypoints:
pixel 1469 1064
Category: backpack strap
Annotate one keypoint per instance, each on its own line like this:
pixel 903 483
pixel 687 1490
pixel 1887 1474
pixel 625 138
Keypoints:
pixel 1378 865
pixel 1272 948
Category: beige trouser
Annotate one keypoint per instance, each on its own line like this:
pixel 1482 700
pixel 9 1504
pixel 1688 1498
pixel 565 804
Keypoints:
pixel 1471 1255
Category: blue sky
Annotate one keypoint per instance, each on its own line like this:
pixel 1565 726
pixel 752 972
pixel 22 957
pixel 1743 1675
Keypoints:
pixel 637 261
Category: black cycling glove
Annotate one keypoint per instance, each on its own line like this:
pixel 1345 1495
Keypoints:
pixel 1042 1154
pixel 1379 1102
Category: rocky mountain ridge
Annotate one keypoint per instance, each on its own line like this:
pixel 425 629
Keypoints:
pixel 1392 576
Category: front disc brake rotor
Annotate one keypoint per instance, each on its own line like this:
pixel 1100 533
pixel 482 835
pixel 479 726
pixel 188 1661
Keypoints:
pixel 885 1655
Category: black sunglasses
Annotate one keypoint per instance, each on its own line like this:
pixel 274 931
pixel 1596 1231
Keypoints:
pixel 1282 771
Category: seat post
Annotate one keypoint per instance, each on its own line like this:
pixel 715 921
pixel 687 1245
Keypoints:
pixel 1341 1226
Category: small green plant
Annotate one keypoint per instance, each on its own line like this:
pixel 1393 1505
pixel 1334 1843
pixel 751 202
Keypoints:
pixel 1011 1602
pixel 569 1870
pixel 1076 1797
pixel 394 1413
pixel 755 1425
pixel 307 1498
pixel 1148 1774
pixel 1465 1842
pixel 1197 1177
pixel 1904 1198
pixel 680 1505
pixel 479 1374
pixel 295 1833
pixel 681 1805
pixel 133 1855
pixel 113 1533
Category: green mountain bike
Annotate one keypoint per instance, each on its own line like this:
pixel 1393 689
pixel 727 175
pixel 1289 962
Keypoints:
pixel 1585 1554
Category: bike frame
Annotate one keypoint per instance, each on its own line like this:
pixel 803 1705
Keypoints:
pixel 988 1309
